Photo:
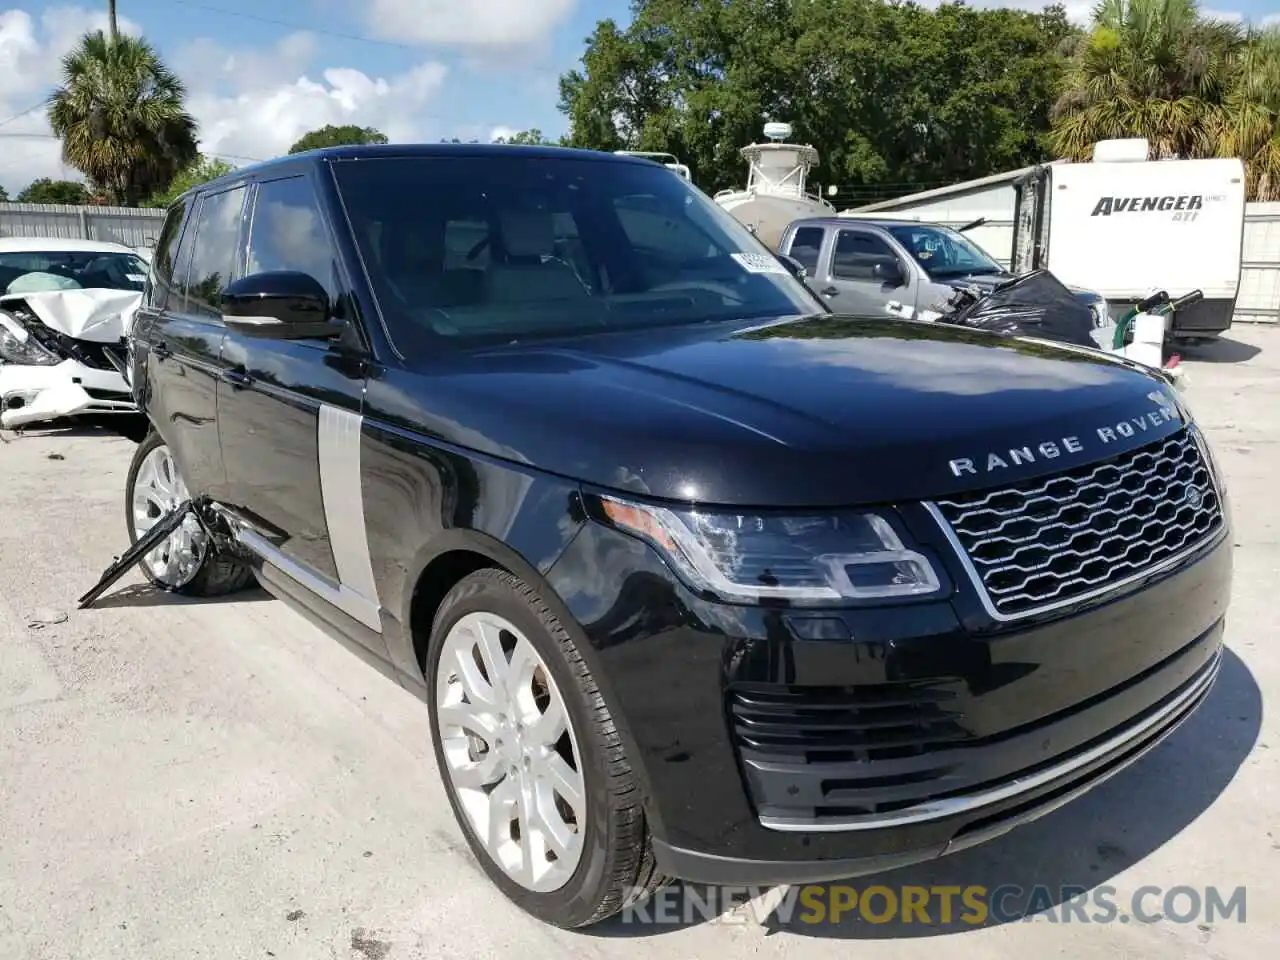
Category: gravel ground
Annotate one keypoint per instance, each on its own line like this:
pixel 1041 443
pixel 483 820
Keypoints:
pixel 218 779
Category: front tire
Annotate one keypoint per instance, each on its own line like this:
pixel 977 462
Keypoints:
pixel 186 562
pixel 531 760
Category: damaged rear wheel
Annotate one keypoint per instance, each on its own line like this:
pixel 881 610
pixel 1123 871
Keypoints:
pixel 186 561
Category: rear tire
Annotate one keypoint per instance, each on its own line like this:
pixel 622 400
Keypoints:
pixel 583 860
pixel 186 562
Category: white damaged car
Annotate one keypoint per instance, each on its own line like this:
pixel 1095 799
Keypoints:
pixel 65 307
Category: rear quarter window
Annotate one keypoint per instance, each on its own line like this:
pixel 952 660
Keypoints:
pixel 160 276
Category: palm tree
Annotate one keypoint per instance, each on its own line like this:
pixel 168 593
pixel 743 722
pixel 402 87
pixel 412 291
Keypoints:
pixel 1147 68
pixel 121 117
pixel 1249 121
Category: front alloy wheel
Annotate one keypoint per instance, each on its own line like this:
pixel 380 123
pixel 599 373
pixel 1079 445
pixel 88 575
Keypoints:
pixel 510 751
pixel 533 764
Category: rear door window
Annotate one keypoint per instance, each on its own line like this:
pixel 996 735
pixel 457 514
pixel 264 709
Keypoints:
pixel 214 259
pixel 160 281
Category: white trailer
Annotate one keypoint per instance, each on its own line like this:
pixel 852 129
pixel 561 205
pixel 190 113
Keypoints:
pixel 1127 228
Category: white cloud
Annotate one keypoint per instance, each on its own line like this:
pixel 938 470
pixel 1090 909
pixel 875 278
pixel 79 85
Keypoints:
pixel 207 65
pixel 254 104
pixel 502 133
pixel 1271 20
pixel 250 103
pixel 478 23
pixel 1080 12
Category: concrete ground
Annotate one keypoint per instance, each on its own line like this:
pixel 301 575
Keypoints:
pixel 218 779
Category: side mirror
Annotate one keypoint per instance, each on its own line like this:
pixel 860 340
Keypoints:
pixel 889 273
pixel 794 266
pixel 279 305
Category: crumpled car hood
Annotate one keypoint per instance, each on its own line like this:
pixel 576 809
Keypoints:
pixel 101 316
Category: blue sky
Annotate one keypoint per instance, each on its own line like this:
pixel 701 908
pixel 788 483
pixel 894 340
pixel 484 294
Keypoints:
pixel 486 87
pixel 259 74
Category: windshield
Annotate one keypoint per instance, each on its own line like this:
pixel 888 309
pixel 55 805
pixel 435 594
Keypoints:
pixel 942 252
pixel 38 271
pixel 505 247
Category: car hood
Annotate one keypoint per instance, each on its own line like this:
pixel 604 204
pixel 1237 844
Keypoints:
pixel 101 316
pixel 824 411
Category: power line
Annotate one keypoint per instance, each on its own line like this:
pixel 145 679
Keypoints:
pixel 18 116
pixel 51 136
pixel 292 25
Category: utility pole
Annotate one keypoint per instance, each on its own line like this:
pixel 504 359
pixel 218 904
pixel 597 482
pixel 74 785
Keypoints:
pixel 113 30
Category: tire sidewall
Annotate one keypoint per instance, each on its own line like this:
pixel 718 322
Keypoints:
pixel 579 898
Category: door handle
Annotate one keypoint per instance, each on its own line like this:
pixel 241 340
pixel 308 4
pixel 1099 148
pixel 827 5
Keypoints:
pixel 235 376
pixel 829 292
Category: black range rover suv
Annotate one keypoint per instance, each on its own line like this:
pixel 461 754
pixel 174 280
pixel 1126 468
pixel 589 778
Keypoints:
pixel 697 579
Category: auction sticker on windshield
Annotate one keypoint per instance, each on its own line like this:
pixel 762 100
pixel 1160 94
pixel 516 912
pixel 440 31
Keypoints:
pixel 759 263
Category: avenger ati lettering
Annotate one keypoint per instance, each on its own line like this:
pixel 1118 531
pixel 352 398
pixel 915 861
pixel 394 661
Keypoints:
pixel 998 460
pixel 1106 206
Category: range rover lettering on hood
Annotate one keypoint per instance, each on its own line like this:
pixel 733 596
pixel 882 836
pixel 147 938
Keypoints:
pixel 1038 451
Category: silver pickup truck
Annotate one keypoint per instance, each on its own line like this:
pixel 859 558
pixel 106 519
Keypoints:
pixel 902 267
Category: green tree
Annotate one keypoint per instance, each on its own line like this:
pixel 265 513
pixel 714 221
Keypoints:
pixel 332 136
pixel 1248 124
pixel 120 115
pixel 531 137
pixel 4 195
pixel 45 190
pixel 1190 84
pixel 889 93
pixel 201 171
pixel 1147 68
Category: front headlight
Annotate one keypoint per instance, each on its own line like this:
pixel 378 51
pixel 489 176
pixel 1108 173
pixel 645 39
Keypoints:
pixel 753 557
pixel 18 346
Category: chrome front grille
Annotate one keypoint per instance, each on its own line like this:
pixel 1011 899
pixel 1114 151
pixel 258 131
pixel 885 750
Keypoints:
pixel 1048 542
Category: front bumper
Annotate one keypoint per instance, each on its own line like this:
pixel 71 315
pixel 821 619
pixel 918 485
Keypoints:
pixel 777 746
pixel 30 394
